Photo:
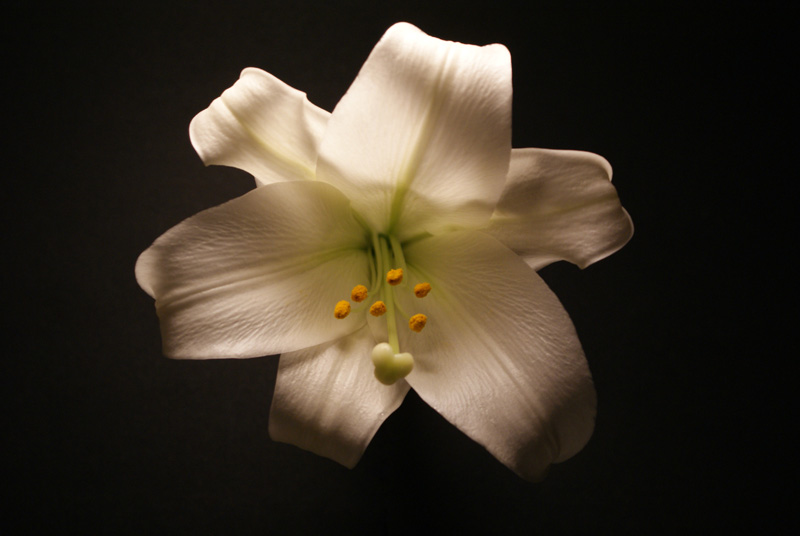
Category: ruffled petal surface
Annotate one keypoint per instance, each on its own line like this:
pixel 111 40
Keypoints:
pixel 258 275
pixel 560 205
pixel 421 141
pixel 262 126
pixel 328 401
pixel 499 357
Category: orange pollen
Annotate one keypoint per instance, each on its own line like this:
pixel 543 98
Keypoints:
pixel 395 277
pixel 377 309
pixel 417 322
pixel 421 289
pixel 359 293
pixel 341 310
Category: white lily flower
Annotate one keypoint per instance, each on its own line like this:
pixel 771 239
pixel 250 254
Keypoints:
pixel 413 172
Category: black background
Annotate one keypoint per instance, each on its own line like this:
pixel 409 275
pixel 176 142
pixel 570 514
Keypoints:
pixel 686 329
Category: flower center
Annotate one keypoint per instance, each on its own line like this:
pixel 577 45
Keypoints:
pixel 387 258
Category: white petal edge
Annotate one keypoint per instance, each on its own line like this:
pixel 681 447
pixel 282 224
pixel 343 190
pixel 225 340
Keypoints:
pixel 262 126
pixel 560 205
pixel 422 139
pixel 328 401
pixel 499 357
pixel 258 275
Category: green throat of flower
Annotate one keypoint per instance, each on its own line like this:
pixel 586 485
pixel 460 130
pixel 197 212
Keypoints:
pixel 389 266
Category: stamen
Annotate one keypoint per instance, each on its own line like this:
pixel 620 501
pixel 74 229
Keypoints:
pixel 391 327
pixel 395 277
pixel 377 309
pixel 376 249
pixel 397 251
pixel 359 293
pixel 421 289
pixel 417 322
pixel 390 364
pixel 342 309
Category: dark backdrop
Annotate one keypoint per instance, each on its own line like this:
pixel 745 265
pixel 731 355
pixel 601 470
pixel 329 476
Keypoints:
pixel 685 329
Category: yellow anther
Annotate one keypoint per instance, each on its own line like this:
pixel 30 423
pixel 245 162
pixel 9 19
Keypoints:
pixel 421 289
pixel 395 277
pixel 417 322
pixel 342 309
pixel 359 293
pixel 377 308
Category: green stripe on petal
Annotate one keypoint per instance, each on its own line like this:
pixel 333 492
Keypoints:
pixel 499 357
pixel 262 126
pixel 560 205
pixel 258 275
pixel 422 139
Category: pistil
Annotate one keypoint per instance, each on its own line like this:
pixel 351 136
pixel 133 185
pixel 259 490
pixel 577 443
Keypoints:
pixel 387 258
pixel 391 324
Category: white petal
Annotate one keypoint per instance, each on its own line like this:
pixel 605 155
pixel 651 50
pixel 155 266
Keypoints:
pixel 421 141
pixel 328 401
pixel 560 205
pixel 262 126
pixel 499 357
pixel 258 275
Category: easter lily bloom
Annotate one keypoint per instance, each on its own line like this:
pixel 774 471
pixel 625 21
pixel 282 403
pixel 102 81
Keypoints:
pixel 389 245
